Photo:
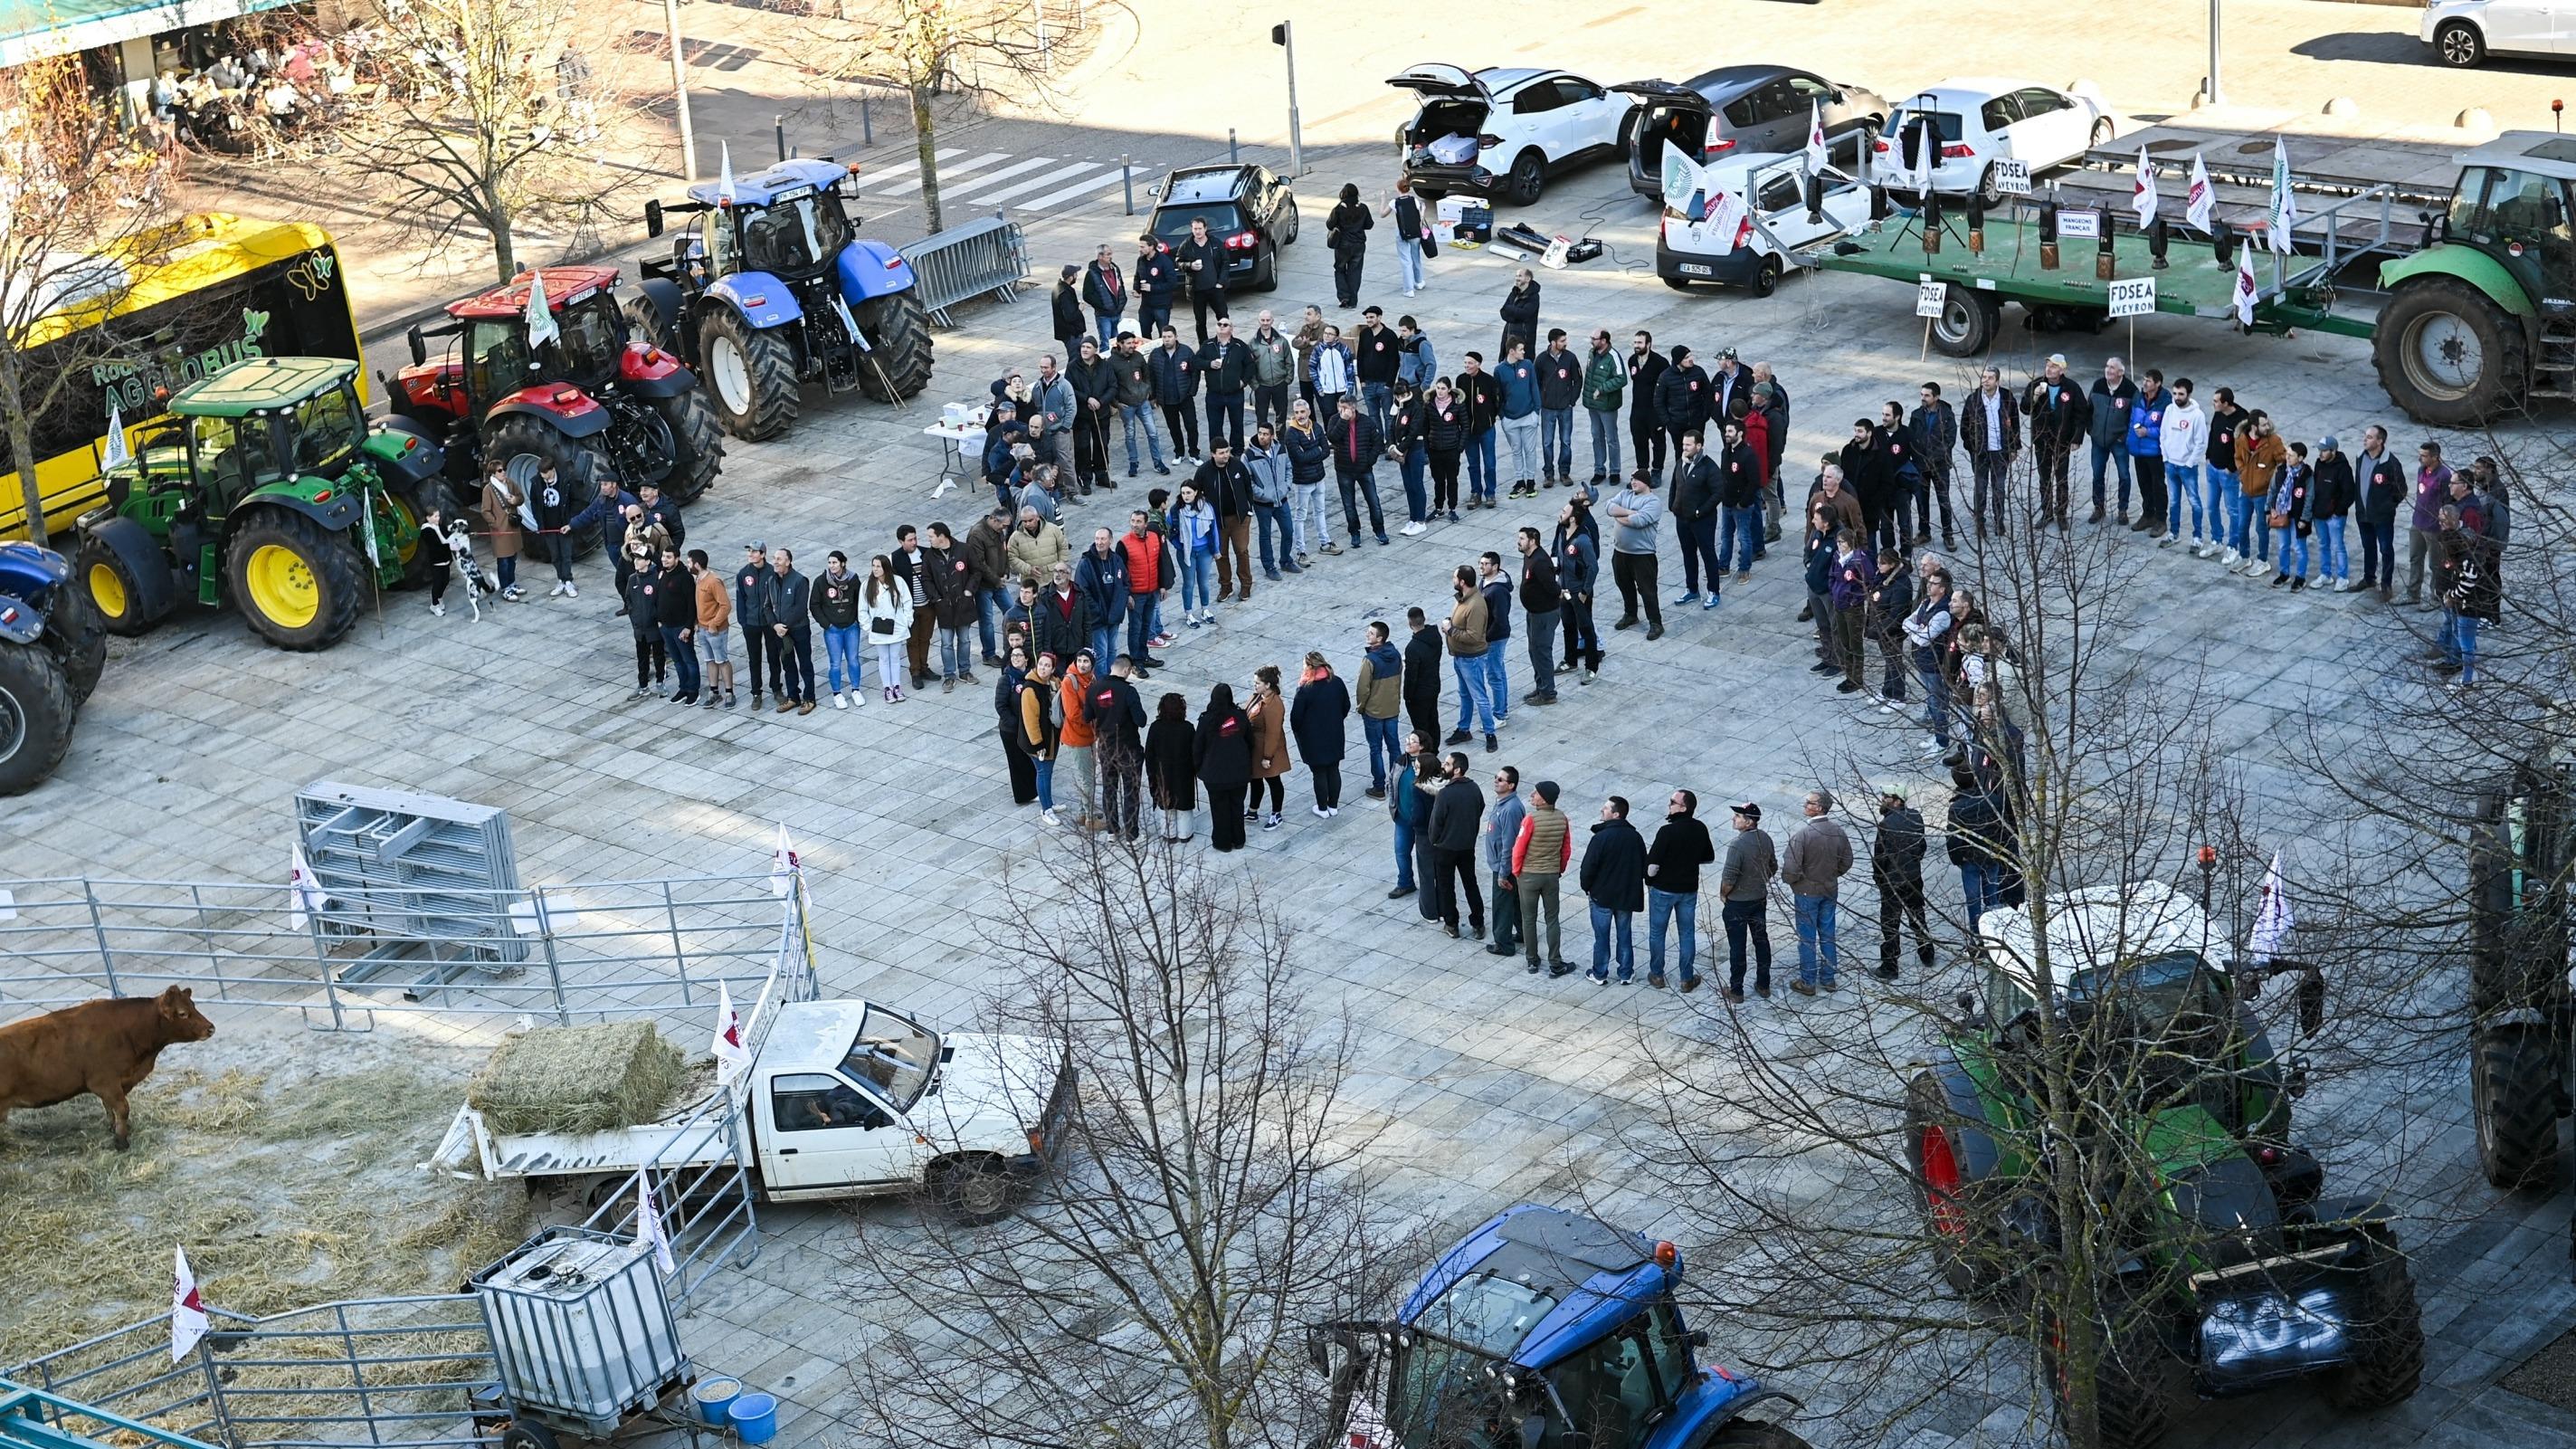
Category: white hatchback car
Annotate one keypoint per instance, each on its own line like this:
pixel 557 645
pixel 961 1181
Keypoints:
pixel 2465 32
pixel 1502 131
pixel 1977 121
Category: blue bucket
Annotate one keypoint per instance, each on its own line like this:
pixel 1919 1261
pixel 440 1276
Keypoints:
pixel 755 1418
pixel 713 1397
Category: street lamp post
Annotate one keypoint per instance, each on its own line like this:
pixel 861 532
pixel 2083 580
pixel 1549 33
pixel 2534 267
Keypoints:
pixel 2214 95
pixel 680 90
pixel 1284 35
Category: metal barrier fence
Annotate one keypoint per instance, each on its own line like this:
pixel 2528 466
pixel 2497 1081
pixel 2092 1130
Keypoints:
pixel 594 950
pixel 34 1419
pixel 965 262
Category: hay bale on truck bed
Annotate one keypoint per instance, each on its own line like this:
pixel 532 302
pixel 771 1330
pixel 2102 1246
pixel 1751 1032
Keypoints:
pixel 579 1079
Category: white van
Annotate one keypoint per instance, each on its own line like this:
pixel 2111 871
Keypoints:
pixel 1709 232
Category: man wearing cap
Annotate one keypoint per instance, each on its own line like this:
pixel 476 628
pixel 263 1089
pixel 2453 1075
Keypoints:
pixel 1538 858
pixel 2059 419
pixel 1896 866
pixel 1637 515
pixel 1730 388
pixel 755 608
pixel 1819 856
pixel 1743 888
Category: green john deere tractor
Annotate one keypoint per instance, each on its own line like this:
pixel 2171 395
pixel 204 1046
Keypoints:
pixel 2224 1268
pixel 2522 1012
pixel 2485 317
pixel 268 487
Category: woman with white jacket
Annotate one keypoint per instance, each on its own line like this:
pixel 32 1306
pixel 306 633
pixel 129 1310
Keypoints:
pixel 885 612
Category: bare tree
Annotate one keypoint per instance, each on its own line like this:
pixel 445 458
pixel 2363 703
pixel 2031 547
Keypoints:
pixel 80 216
pixel 1206 1203
pixel 2086 1116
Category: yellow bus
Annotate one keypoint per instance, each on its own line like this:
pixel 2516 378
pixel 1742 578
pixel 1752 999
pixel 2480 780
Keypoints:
pixel 232 288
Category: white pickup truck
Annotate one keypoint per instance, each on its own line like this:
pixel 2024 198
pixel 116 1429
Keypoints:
pixel 840 1099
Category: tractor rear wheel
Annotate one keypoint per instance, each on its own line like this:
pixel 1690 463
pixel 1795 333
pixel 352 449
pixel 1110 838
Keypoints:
pixel 697 444
pixel 2387 1330
pixel 126 576
pixel 2447 354
pixel 2514 1080
pixel 580 461
pixel 1961 1246
pixel 749 374
pixel 898 332
pixel 77 638
pixel 36 714
pixel 1748 1435
pixel 299 587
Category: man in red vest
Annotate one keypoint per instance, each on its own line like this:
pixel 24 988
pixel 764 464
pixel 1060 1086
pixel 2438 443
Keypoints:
pixel 1150 566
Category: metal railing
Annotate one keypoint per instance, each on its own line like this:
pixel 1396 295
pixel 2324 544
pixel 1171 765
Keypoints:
pixel 596 950
pixel 34 1419
pixel 965 262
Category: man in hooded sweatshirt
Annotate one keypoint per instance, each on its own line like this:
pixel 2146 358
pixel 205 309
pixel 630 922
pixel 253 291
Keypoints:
pixel 1380 697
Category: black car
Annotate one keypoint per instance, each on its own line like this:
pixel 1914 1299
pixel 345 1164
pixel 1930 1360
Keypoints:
pixel 1246 207
pixel 1739 110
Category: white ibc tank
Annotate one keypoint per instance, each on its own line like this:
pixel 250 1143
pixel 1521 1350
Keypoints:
pixel 580 1326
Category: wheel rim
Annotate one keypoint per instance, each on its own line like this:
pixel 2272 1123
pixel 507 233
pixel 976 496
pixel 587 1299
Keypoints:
pixel 13 726
pixel 107 591
pixel 731 371
pixel 2442 356
pixel 1525 176
pixel 1956 322
pixel 282 586
pixel 1941 1184
pixel 2457 47
pixel 982 1192
pixel 406 521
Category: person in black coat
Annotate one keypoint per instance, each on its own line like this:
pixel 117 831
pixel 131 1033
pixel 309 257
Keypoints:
pixel 1422 658
pixel 1319 718
pixel 1346 232
pixel 1006 709
pixel 1614 881
pixel 1681 400
pixel 1070 325
pixel 1645 423
pixel 1681 847
pixel 1224 758
pixel 1456 812
pixel 1520 315
pixel 1172 766
pixel 1983 844
pixel 1104 287
pixel 1896 866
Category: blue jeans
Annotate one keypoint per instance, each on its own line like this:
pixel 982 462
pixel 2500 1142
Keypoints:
pixel 1498 679
pixel 954 658
pixel 1403 854
pixel 1604 920
pixel 2182 481
pixel 1198 580
pixel 1983 888
pixel 1408 264
pixel 1473 706
pixel 1377 403
pixel 1132 418
pixel 1417 500
pixel 1046 783
pixel 1480 464
pixel 1605 442
pixel 990 604
pixel 684 657
pixel 1140 624
pixel 2379 553
pixel 2118 456
pixel 1104 644
pixel 1106 326
pixel 1936 700
pixel 2220 484
pixel 1817 954
pixel 1738 524
pixel 841 646
pixel 2293 547
pixel 2460 642
pixel 1663 905
pixel 2244 517
pixel 1385 747
pixel 2334 560
pixel 1556 441
pixel 1268 517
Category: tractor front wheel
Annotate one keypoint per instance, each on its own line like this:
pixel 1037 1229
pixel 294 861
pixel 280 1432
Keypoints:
pixel 36 714
pixel 2447 354
pixel 2513 1093
pixel 898 332
pixel 126 575
pixel 298 586
pixel 2387 1331
pixel 1745 1434
pixel 78 640
pixel 697 444
pixel 749 374
pixel 403 511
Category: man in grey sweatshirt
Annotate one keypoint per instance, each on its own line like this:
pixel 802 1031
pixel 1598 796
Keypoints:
pixel 1820 855
pixel 1743 885
pixel 1636 516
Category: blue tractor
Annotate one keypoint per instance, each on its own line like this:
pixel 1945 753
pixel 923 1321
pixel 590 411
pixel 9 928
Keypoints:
pixel 769 288
pixel 52 647
pixel 1543 1329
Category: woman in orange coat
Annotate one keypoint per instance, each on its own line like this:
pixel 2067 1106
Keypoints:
pixel 1268 714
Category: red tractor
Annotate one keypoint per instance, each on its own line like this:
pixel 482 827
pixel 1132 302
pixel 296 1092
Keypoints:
pixel 587 397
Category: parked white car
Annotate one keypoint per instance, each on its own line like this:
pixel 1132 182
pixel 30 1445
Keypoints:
pixel 1502 131
pixel 1729 223
pixel 1979 120
pixel 2465 32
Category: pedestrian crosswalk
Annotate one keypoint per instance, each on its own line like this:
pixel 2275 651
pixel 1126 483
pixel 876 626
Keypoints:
pixel 994 179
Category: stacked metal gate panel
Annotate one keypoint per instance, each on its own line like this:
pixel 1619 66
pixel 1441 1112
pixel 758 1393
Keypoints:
pixel 411 877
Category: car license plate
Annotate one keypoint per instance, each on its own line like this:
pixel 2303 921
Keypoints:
pixel 1694 269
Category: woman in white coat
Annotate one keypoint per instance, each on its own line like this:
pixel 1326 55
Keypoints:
pixel 885 615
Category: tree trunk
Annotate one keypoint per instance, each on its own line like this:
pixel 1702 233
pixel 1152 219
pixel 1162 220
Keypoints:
pixel 925 145
pixel 504 254
pixel 22 444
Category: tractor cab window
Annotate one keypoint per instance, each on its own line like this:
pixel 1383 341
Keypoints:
pixel 237 453
pixel 496 359
pixel 593 335
pixel 893 1055
pixel 812 1102
pixel 1610 1391
pixel 1669 1348
pixel 797 237
pixel 327 430
pixel 1444 1388
pixel 708 244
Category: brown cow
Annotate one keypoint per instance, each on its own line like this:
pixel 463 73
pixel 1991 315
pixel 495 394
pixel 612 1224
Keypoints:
pixel 105 1048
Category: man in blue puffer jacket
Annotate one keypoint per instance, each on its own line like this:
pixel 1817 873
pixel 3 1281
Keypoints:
pixel 2147 450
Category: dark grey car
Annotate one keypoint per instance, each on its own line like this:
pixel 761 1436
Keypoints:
pixel 1735 110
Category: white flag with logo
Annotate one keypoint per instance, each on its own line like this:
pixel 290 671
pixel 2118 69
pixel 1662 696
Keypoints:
pixel 1924 158
pixel 785 865
pixel 541 317
pixel 2142 197
pixel 2245 289
pixel 648 1221
pixel 187 1312
pixel 113 450
pixel 303 892
pixel 731 1055
pixel 2274 920
pixel 1815 138
pixel 2198 200
pixel 2285 207
pixel 724 173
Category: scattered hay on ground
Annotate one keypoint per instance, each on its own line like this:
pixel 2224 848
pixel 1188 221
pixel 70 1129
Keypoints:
pixel 578 1078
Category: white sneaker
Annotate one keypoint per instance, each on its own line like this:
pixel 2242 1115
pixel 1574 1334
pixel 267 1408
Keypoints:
pixel 557 591
pixel 1050 817
pixel 438 611
pixel 571 591
pixel 2257 568
pixel 2230 559
pixel 840 700
pixel 1412 530
pixel 858 699
pixel 2165 541
pixel 1323 814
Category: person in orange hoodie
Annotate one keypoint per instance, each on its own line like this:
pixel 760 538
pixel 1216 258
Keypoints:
pixel 1074 744
pixel 715 628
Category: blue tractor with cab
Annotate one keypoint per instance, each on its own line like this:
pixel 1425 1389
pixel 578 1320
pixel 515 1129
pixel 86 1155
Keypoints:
pixel 769 287
pixel 52 647
pixel 1542 1329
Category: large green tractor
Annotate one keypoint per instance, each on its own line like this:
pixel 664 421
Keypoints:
pixel 269 488
pixel 2522 1012
pixel 2485 317
pixel 2223 1267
